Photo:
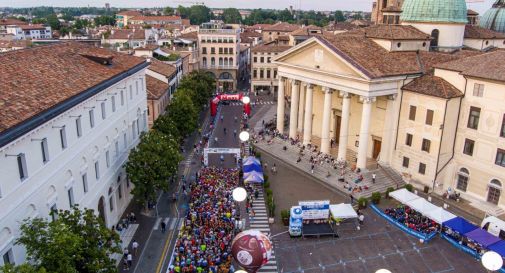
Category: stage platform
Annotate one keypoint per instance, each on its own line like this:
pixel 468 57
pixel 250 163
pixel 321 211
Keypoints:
pixel 318 230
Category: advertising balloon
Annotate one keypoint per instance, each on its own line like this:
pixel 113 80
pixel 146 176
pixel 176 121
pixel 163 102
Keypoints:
pixel 251 249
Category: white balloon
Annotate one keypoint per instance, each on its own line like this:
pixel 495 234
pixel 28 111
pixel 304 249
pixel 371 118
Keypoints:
pixel 246 100
pixel 382 271
pixel 239 194
pixel 492 261
pixel 244 136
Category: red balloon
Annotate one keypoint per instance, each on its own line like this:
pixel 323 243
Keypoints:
pixel 251 249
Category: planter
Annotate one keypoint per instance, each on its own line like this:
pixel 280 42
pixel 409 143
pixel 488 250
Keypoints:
pixel 271 220
pixel 285 221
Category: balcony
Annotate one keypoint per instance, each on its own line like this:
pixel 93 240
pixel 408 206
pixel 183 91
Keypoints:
pixel 207 66
pixel 219 31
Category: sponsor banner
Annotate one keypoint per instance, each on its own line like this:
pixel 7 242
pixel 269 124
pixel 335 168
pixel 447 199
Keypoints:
pixel 315 209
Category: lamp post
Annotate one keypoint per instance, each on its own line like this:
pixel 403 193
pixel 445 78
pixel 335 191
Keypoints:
pixel 492 261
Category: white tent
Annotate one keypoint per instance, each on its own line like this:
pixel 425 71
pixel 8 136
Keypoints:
pixel 440 215
pixel 403 195
pixel 343 211
pixel 421 205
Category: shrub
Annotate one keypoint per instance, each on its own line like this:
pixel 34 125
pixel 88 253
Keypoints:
pixel 362 202
pixel 284 213
pixel 269 192
pixel 266 185
pixel 409 187
pixel 271 209
pixel 390 189
pixel 376 197
pixel 265 177
pixel 258 155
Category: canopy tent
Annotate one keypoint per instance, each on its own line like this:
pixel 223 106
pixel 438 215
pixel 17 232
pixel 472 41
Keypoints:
pixel 440 215
pixel 254 177
pixel 343 211
pixel 421 205
pixel 251 160
pixel 403 195
pixel 251 168
pixel 460 225
pixel 498 248
pixel 482 237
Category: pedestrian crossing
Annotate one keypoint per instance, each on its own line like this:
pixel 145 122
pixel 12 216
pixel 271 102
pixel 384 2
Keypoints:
pixel 126 236
pixel 260 222
pixel 170 223
pixel 253 103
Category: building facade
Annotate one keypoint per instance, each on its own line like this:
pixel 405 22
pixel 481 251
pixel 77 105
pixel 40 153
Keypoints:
pixel 59 149
pixel 30 32
pixel 263 70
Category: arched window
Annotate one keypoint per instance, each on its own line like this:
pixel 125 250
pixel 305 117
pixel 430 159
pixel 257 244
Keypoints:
pixel 231 61
pixel 212 61
pixel 220 61
pixel 204 60
pixel 111 199
pixel 462 182
pixel 494 191
pixel 434 38
pixel 226 61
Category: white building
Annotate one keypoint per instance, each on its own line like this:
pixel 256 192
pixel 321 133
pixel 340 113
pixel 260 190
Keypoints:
pixel 65 133
pixel 24 32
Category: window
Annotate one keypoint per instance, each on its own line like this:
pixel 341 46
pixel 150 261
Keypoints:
pixel 434 38
pixel 262 59
pixel 97 170
pixel 122 97
pixel 408 140
pixel 468 148
pixel 116 149
pixel 204 50
pixel 212 50
pixel 269 59
pixel 131 92
pixel 111 199
pixel 136 87
pixel 125 141
pixel 429 117
pixel 500 158
pixel 478 90
pixel 275 73
pixel 221 50
pixel 78 127
pixel 462 180
pixel 107 159
pixel 473 119
pixel 502 131
pixel 134 125
pixel 70 196
pixel 422 168
pixel 261 73
pixel 255 73
pixel 231 50
pixel 426 145
pixel 54 212
pixel 8 257
pixel 102 106
pixel 494 192
pixel 91 118
pixel 23 173
pixel 255 59
pixel 44 150
pixel 405 162
pixel 63 138
pixel 138 128
pixel 113 102
pixel 120 191
pixel 412 113
pixel 268 73
pixel 84 178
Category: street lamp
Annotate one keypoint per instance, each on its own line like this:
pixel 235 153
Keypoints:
pixel 243 136
pixel 246 100
pixel 492 261
pixel 382 271
pixel 239 194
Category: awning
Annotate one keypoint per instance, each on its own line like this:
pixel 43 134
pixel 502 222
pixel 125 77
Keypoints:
pixel 343 211
pixel 254 177
pixel 440 215
pixel 252 167
pixel 403 195
pixel 460 225
pixel 498 247
pixel 161 52
pixel 482 237
pixel 421 205
pixel 251 160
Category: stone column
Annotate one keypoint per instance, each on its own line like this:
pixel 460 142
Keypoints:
pixel 307 123
pixel 301 106
pixel 364 132
pixel 280 106
pixel 325 132
pixel 344 126
pixel 389 134
pixel 293 115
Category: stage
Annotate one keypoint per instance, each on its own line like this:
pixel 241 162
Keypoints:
pixel 318 230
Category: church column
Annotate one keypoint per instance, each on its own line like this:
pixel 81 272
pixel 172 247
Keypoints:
pixel 307 123
pixel 293 115
pixel 389 130
pixel 364 133
pixel 280 106
pixel 325 132
pixel 344 126
pixel 301 106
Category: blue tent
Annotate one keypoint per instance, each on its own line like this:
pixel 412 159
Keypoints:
pixel 252 167
pixel 498 248
pixel 460 225
pixel 254 177
pixel 251 160
pixel 482 237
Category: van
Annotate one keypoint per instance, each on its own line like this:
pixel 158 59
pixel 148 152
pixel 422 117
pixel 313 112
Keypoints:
pixel 494 226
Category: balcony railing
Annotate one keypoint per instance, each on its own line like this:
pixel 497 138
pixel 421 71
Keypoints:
pixel 216 66
pixel 219 31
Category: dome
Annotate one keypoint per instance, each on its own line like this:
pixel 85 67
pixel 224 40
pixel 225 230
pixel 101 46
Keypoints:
pixel 440 11
pixel 494 18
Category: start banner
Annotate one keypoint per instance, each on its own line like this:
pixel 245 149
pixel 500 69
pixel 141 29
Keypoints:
pixel 312 210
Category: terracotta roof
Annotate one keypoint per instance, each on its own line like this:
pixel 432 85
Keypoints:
pixel 281 27
pixel 124 34
pixel 156 18
pixel 130 13
pixel 391 32
pixel 186 22
pixel 162 68
pixel 472 12
pixel 392 9
pixel 433 86
pixel 30 27
pixel 283 38
pixel 432 58
pixel 260 26
pixel 15 44
pixel 306 31
pixel 489 66
pixel 341 26
pixel 155 88
pixel 10 21
pixel 190 35
pixel 249 33
pixel 272 48
pixel 181 51
pixel 36 79
pixel 149 47
pixel 476 32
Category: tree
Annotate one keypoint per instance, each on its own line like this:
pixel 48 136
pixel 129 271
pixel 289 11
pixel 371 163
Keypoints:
pixel 169 11
pixel 23 268
pixel 166 125
pixel 196 14
pixel 53 21
pixel 105 20
pixel 81 24
pixel 357 16
pixel 77 241
pixel 199 86
pixel 183 112
pixel 339 16
pixel 231 16
pixel 150 165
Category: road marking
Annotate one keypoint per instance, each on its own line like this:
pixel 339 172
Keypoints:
pixel 164 252
pixel 172 225
pixel 157 223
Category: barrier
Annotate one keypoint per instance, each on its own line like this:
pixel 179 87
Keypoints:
pixel 425 237
pixel 461 247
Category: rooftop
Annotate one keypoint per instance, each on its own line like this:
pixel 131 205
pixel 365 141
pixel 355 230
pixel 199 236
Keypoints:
pixel 489 66
pixel 476 32
pixel 433 86
pixel 441 11
pixel 391 32
pixel 162 68
pixel 37 79
pixel 155 88
pixel 10 21
pixel 130 13
pixel 124 34
pixel 156 18
pixel 271 48
pixel 281 27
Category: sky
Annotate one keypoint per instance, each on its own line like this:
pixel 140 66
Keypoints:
pixel 364 5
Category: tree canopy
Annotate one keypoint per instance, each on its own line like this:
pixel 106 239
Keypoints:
pixel 183 112
pixel 231 16
pixel 197 14
pixel 199 85
pixel 76 241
